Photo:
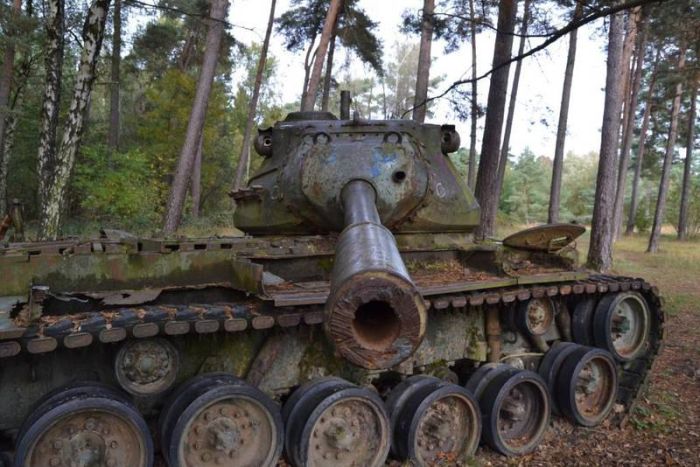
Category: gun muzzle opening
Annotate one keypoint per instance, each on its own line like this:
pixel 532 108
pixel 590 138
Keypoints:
pixel 376 325
pixel 374 314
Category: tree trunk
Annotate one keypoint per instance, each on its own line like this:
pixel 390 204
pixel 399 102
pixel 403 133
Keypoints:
pixel 196 180
pixel 630 109
pixel 471 174
pixel 309 99
pixel 114 103
pixel 486 180
pixel 600 249
pixel 176 200
pixel 329 67
pixel 668 159
pixel 5 84
pixel 558 165
pixel 687 171
pixel 631 218
pixel 53 50
pixel 243 160
pixel 423 75
pixel 93 33
pixel 513 98
pixel 24 70
pixel 308 61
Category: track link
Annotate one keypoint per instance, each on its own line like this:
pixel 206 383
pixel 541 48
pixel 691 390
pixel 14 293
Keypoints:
pixel 115 325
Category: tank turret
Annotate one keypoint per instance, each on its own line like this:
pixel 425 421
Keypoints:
pixel 335 331
pixel 364 179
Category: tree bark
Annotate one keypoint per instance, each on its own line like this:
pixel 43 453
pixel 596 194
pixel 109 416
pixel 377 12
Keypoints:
pixel 668 159
pixel 631 218
pixel 5 85
pixel 114 104
pixel 243 160
pixel 423 75
pixel 196 180
pixel 309 99
pixel 558 164
pixel 471 173
pixel 513 98
pixel 600 249
pixel 687 170
pixel 486 180
pixel 329 66
pixel 630 109
pixel 22 76
pixel 308 61
pixel 195 125
pixel 93 33
pixel 46 158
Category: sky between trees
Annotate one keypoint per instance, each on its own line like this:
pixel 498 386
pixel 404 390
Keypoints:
pixel 144 112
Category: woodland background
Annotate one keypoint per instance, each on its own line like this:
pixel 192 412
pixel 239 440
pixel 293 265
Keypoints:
pixel 141 128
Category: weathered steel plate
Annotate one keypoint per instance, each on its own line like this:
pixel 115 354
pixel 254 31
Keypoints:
pixel 549 237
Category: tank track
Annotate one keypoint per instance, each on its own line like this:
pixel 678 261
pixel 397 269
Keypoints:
pixel 115 325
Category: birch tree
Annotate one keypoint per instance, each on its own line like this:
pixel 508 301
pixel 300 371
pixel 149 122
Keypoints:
pixel 600 249
pixel 557 165
pixel 93 33
pixel 53 64
pixel 423 75
pixel 244 158
pixel 486 180
pixel 178 190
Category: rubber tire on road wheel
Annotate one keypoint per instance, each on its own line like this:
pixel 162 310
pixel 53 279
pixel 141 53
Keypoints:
pixel 47 420
pixel 398 397
pixel 181 397
pixel 602 324
pixel 206 396
pixel 490 404
pixel 582 322
pixel 551 364
pixel 317 397
pixel 413 411
pixel 73 390
pixel 478 382
pixel 565 392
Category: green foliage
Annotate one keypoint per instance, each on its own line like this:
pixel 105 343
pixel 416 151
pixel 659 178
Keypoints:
pixel 527 195
pixel 355 30
pixel 526 186
pixel 115 189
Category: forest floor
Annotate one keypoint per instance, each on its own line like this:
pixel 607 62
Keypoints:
pixel 664 429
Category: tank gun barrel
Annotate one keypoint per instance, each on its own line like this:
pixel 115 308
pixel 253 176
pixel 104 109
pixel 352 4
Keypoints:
pixel 374 314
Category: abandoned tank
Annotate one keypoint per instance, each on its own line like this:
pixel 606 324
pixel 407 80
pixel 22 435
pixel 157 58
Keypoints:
pixel 357 320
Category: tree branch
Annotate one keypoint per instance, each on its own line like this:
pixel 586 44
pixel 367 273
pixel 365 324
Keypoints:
pixel 555 36
pixel 141 4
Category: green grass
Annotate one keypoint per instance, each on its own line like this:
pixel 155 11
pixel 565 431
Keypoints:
pixel 675 269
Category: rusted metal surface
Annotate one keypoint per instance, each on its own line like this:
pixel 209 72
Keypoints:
pixel 312 156
pixel 375 315
pixel 550 238
pixel 493 334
